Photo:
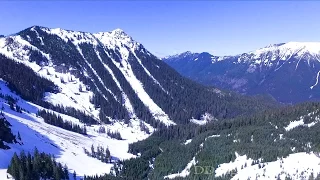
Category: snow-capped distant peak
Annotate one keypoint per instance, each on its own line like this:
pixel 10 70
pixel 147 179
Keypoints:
pixel 282 52
pixel 179 55
pixel 298 48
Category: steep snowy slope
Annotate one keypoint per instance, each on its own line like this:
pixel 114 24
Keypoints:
pixel 21 50
pixel 287 71
pixel 66 146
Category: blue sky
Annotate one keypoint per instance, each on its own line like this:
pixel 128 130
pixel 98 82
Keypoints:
pixel 166 27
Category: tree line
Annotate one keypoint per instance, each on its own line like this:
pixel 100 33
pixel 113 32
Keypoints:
pixel 99 153
pixel 56 120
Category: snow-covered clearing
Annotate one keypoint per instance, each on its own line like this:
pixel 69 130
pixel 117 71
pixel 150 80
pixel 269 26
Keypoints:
pixel 300 122
pixel 297 166
pixel 204 119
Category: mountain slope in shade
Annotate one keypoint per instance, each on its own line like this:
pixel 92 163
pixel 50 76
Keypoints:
pixel 287 71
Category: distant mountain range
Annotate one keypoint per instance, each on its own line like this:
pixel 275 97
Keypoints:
pixel 287 71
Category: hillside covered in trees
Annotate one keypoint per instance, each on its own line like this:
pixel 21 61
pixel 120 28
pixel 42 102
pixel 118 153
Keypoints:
pixel 262 137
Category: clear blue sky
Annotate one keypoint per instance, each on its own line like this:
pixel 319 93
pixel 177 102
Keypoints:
pixel 165 27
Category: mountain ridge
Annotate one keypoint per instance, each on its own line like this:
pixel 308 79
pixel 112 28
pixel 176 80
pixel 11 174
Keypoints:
pixel 260 71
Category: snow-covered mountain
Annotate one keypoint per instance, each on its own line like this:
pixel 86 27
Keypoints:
pixel 65 59
pixel 97 80
pixel 287 71
pixel 273 54
pixel 108 75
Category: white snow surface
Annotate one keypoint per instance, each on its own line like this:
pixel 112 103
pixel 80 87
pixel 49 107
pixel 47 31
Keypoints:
pixel 187 141
pixel 198 122
pixel 296 165
pixel 294 124
pixel 317 80
pixel 66 146
pixel 73 36
pixel 212 136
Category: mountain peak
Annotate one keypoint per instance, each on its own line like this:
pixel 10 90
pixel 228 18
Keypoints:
pixel 118 31
pixel 274 45
pixel 179 55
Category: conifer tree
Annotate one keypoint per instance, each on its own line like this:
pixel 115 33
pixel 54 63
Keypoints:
pixel 108 156
pixel 74 175
pixel 19 137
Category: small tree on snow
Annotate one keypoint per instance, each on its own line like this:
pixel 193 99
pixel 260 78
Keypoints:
pixel 62 80
pixel 93 154
pixel 80 88
pixel 108 155
pixel 19 136
pixel 74 175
